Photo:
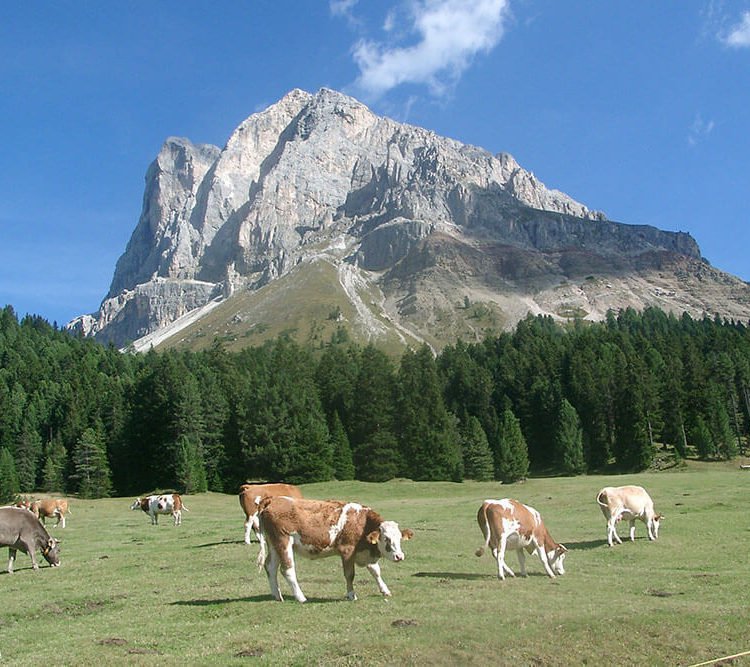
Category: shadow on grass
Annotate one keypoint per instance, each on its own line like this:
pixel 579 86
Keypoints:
pixel 217 544
pixel 455 575
pixel 252 598
pixel 585 545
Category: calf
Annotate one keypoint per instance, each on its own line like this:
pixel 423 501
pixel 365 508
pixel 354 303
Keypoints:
pixel 167 503
pixel 252 494
pixel 508 524
pixel 20 529
pixel 631 503
pixel 317 528
pixel 51 507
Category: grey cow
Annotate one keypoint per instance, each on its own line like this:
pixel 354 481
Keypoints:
pixel 20 529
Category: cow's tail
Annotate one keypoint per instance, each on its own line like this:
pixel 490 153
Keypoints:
pixel 599 496
pixel 485 530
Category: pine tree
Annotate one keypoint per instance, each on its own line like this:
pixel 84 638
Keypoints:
pixel 190 468
pixel 9 486
pixel 27 455
pixel 569 439
pixel 477 455
pixel 512 457
pixel 427 433
pixel 53 473
pixel 91 468
pixel 343 463
pixel 700 436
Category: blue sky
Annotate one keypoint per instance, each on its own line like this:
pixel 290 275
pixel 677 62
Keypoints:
pixel 639 109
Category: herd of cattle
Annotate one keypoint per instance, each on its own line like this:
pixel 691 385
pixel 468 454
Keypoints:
pixel 286 524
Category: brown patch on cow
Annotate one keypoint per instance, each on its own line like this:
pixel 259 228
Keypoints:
pixel 112 641
pixel 403 622
pixel 249 493
pixel 255 652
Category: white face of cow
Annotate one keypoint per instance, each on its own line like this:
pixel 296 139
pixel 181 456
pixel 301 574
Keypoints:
pixel 136 504
pixel 556 559
pixel 389 540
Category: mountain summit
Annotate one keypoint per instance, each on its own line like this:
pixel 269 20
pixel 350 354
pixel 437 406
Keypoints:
pixel 318 210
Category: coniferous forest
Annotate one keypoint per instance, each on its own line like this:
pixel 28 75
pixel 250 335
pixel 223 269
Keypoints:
pixel 80 418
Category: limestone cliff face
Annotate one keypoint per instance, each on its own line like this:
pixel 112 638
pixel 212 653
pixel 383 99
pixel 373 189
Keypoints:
pixel 322 175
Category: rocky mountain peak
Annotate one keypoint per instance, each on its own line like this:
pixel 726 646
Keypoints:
pixel 320 177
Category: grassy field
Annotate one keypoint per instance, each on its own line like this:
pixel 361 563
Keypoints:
pixel 132 593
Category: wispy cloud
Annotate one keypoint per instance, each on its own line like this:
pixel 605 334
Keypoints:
pixel 341 7
pixel 738 36
pixel 699 130
pixel 446 36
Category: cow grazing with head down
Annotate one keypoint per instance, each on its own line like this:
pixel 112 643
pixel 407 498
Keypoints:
pixel 509 524
pixel 250 497
pixel 20 529
pixel 630 503
pixel 51 507
pixel 167 503
pixel 318 528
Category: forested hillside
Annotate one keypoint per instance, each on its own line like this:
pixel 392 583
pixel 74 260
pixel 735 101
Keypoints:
pixel 77 417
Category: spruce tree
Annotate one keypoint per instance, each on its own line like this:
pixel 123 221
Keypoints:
pixel 569 439
pixel 477 455
pixel 190 468
pixel 91 468
pixel 343 463
pixel 9 486
pixel 512 457
pixel 53 473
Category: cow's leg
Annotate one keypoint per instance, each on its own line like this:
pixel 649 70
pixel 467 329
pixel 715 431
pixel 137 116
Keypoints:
pixel 499 553
pixel 545 561
pixel 11 559
pixel 612 531
pixel 290 573
pixel 177 517
pixel 632 530
pixel 522 561
pixel 251 524
pixel 271 565
pixel 61 520
pixel 348 564
pixel 30 549
pixel 374 569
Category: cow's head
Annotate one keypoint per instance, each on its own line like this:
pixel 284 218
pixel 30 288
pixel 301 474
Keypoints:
pixel 136 504
pixel 655 524
pixel 388 538
pixel 556 558
pixel 51 552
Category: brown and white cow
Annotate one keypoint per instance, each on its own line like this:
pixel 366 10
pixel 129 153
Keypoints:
pixel 167 503
pixel 250 497
pixel 51 507
pixel 509 524
pixel 630 503
pixel 318 528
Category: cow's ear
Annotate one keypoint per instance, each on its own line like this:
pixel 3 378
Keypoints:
pixel 407 534
pixel 373 537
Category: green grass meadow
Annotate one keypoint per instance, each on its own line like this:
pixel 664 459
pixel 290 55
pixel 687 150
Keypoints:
pixel 134 594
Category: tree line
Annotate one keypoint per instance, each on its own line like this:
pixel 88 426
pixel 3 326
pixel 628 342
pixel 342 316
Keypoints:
pixel 79 417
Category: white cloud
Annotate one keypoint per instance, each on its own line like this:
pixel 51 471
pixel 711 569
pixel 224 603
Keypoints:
pixel 449 34
pixel 739 35
pixel 699 130
pixel 341 7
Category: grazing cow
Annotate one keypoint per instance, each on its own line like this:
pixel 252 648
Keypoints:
pixel 51 507
pixel 167 503
pixel 252 494
pixel 508 524
pixel 20 529
pixel 631 503
pixel 317 528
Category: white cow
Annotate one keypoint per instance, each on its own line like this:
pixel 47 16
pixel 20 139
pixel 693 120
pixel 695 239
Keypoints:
pixel 167 503
pixel 630 503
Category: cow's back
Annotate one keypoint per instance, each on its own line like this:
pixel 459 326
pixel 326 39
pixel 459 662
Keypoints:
pixel 311 521
pixel 17 521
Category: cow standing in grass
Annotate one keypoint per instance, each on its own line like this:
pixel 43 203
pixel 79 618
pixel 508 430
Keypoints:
pixel 318 528
pixel 509 524
pixel 250 497
pixel 51 507
pixel 630 503
pixel 166 503
pixel 20 529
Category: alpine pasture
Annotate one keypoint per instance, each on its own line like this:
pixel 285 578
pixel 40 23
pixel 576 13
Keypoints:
pixel 132 593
